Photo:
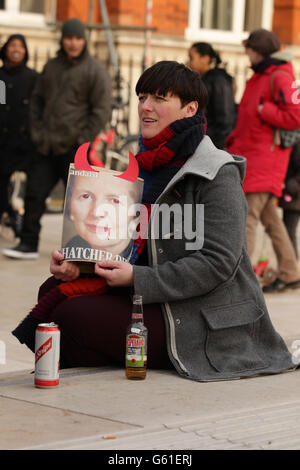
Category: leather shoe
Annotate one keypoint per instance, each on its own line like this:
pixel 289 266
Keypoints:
pixel 276 286
pixel 294 284
pixel 280 286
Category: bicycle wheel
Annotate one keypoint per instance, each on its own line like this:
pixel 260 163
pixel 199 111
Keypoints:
pixel 131 144
pixel 115 160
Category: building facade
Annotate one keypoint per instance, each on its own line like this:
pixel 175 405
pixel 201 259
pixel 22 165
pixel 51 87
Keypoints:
pixel 144 31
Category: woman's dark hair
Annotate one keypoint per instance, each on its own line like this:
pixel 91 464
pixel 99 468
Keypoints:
pixel 203 48
pixel 172 77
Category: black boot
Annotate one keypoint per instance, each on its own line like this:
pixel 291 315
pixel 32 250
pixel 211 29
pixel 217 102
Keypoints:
pixel 25 331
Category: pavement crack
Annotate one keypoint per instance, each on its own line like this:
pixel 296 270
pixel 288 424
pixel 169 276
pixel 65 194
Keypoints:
pixel 72 411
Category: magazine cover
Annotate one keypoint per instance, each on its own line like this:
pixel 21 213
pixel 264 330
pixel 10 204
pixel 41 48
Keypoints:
pixel 101 214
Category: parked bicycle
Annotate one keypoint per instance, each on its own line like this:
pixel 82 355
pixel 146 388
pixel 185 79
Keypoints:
pixel 111 149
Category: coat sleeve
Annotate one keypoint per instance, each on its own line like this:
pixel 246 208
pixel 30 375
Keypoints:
pixel 222 110
pixel 99 104
pixel 229 142
pixel 284 111
pixel 202 271
pixel 36 108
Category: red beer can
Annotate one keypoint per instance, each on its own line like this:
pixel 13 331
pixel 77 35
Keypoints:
pixel 47 343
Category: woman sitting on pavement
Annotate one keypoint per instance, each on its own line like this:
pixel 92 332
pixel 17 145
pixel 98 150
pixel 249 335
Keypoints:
pixel 203 306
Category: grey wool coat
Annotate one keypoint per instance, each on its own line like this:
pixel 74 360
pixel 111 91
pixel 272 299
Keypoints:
pixel 217 322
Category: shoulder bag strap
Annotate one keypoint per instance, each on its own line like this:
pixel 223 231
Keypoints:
pixel 276 132
pixel 273 78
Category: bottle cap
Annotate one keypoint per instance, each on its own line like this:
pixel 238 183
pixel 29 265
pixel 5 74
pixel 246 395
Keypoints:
pixel 138 299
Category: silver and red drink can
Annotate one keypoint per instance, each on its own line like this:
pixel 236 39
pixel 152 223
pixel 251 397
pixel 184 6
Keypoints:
pixel 47 343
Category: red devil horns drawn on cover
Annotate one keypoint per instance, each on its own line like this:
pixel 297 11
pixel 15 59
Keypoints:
pixel 81 163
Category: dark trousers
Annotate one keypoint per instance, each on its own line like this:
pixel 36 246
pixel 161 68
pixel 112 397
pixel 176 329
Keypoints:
pixel 93 329
pixel 291 219
pixel 4 206
pixel 43 175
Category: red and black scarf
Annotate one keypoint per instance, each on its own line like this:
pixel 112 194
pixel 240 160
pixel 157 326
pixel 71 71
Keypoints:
pixel 162 156
pixel 176 142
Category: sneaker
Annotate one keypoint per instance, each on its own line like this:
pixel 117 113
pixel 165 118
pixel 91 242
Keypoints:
pixel 21 251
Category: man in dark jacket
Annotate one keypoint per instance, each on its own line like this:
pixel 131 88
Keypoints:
pixel 15 143
pixel 70 105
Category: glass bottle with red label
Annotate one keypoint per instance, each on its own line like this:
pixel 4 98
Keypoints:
pixel 136 342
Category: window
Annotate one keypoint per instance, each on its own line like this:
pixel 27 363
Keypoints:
pixel 25 12
pixel 227 21
pixel 32 6
pixel 216 14
pixel 253 15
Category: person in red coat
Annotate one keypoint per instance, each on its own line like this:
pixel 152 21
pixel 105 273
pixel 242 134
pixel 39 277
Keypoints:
pixel 260 112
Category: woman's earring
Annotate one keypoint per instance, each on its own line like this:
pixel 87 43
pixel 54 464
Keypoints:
pixel 72 217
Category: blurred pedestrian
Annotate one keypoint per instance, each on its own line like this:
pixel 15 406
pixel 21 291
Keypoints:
pixel 221 108
pixel 290 200
pixel 71 104
pixel 16 145
pixel 259 113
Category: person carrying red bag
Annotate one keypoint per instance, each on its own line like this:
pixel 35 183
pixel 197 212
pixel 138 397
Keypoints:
pixel 262 111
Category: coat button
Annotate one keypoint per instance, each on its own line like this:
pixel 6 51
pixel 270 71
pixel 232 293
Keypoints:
pixel 177 321
pixel 160 250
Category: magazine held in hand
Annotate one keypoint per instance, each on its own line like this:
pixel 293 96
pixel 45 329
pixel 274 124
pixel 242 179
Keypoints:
pixel 101 216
